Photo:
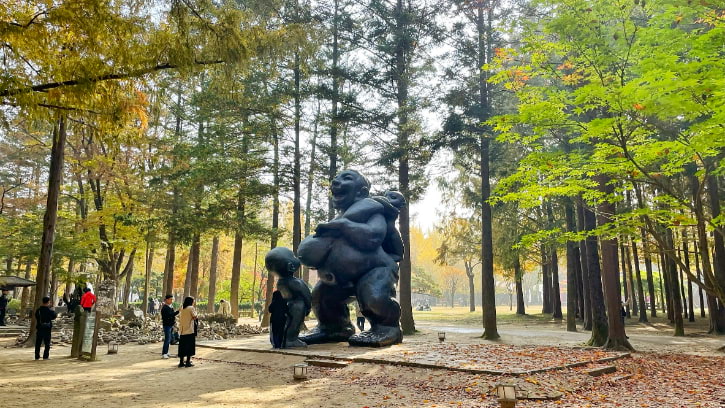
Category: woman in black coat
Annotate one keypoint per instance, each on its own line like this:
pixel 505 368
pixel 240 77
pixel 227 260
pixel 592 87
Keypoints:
pixel 277 319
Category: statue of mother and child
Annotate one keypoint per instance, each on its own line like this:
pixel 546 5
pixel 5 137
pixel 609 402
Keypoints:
pixel 356 256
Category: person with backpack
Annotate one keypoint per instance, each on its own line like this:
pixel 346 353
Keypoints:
pixel 168 319
pixel 44 317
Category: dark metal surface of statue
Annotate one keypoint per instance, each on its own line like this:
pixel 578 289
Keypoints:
pixel 356 256
pixel 283 263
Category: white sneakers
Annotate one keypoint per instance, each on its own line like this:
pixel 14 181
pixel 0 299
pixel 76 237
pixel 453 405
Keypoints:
pixel 164 356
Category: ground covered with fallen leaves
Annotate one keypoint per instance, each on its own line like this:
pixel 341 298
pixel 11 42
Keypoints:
pixel 137 377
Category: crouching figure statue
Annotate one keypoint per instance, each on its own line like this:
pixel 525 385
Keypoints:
pixel 356 256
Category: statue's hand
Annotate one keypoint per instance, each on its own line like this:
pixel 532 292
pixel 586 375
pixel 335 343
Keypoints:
pixel 334 225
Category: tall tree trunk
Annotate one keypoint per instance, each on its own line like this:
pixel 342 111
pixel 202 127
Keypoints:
pixel 68 279
pixel 663 298
pixel 25 299
pixel 54 281
pixel 127 286
pixel 630 280
pixel 546 306
pixel 147 273
pixel 571 260
pixel 710 271
pixel 583 260
pixel 334 99
pixel 471 287
pixel 187 278
pixel 236 273
pixel 401 78
pixel 195 259
pixel 640 287
pixel 296 172
pixel 625 283
pixel 275 225
pixel 617 339
pixel 55 177
pixel 699 277
pixel 686 257
pixel 212 274
pixel 599 315
pixel 488 288
pixel 717 269
pixel 518 275
pixel 650 278
pixel 170 265
pixel 674 284
pixel 310 179
pixel 556 312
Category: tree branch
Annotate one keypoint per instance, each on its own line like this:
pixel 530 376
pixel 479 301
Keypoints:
pixel 107 77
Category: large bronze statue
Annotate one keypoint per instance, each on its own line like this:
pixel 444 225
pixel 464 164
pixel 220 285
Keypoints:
pixel 355 256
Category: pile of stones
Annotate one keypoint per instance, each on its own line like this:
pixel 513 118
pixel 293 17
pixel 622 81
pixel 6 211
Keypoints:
pixel 133 327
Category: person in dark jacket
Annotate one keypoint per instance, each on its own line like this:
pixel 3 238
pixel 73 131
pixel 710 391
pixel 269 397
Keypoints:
pixel 44 317
pixel 168 319
pixel 277 319
pixel 3 306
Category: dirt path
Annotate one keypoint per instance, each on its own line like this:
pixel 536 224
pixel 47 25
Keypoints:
pixel 137 377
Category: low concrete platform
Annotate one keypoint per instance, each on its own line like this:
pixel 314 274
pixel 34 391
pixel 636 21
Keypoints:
pixel 477 357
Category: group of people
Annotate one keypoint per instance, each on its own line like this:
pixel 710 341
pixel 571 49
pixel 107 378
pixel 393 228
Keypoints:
pixel 188 328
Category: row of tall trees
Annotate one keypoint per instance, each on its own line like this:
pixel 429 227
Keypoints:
pixel 163 128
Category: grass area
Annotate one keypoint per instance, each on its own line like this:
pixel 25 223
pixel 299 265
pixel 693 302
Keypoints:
pixel 460 315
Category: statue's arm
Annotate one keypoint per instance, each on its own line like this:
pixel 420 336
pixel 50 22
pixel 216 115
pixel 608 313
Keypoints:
pixel 298 289
pixel 398 249
pixel 365 235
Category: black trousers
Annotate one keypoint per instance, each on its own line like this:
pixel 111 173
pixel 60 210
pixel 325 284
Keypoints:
pixel 42 336
pixel 2 317
pixel 277 334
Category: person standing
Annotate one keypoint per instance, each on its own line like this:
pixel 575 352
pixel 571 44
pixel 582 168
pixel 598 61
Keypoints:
pixel 88 300
pixel 44 317
pixel 360 317
pixel 277 319
pixel 3 306
pixel 168 319
pixel 225 308
pixel 187 330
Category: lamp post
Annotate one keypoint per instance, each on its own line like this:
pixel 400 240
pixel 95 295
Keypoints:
pixel 299 371
pixel 112 347
pixel 441 336
pixel 506 395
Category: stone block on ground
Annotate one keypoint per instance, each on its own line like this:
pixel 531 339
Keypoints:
pixel 597 371
pixel 328 363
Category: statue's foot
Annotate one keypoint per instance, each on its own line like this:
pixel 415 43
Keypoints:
pixel 378 336
pixel 322 335
pixel 294 343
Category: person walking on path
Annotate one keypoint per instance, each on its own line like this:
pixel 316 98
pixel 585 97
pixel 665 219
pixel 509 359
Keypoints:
pixel 168 319
pixel 277 319
pixel 187 328
pixel 3 306
pixel 225 308
pixel 88 300
pixel 44 317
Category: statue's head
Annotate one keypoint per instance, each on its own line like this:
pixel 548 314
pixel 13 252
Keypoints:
pixel 347 187
pixel 282 261
pixel 395 198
